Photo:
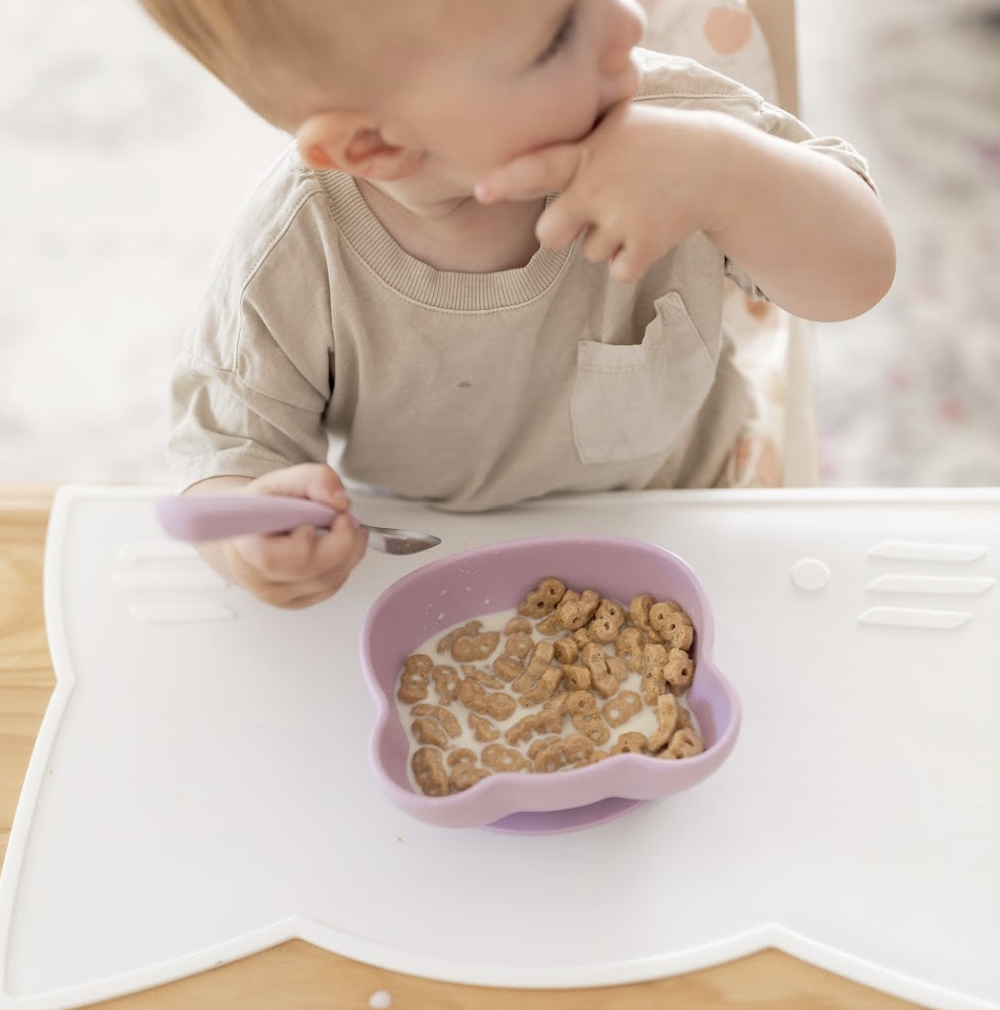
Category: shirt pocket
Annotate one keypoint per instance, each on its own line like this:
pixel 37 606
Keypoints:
pixel 634 401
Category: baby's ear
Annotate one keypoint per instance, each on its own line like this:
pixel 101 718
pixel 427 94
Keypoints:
pixel 352 142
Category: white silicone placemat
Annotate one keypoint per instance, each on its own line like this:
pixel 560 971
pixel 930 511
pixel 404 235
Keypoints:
pixel 200 787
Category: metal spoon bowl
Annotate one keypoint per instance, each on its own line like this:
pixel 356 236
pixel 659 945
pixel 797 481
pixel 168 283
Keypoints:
pixel 196 518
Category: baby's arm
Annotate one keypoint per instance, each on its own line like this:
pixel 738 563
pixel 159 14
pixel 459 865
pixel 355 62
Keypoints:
pixel 296 569
pixel 810 232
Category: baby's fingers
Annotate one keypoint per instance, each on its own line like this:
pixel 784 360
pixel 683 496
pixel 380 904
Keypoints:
pixel 561 222
pixel 548 170
pixel 298 568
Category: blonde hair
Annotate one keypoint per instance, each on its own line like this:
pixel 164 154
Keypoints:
pixel 271 53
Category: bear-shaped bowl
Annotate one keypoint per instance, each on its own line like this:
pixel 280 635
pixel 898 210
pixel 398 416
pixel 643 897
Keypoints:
pixel 428 601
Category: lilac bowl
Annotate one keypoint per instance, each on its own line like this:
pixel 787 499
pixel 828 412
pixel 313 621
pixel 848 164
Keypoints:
pixel 466 585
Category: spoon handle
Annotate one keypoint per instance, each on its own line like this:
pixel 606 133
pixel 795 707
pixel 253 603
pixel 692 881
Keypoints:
pixel 215 517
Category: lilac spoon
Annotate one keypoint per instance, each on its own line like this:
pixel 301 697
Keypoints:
pixel 195 518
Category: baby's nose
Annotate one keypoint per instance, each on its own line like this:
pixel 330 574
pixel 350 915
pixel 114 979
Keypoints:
pixel 622 31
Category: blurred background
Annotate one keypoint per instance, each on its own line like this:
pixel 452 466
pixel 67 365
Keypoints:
pixel 123 165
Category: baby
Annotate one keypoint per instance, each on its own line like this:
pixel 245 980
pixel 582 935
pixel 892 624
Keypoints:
pixel 492 263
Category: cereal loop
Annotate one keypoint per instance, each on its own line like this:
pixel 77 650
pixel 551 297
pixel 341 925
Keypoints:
pixel 430 732
pixel 685 743
pixel 566 651
pixel 535 724
pixel 445 683
pixel 607 621
pixel 476 698
pixel 504 759
pixel 538 663
pixel 576 678
pixel 679 671
pixel 546 687
pixel 508 668
pixel 483 729
pixel 619 709
pixel 517 626
pixel 442 715
pixel 575 613
pixel 628 648
pixel 667 717
pixel 466 775
pixel 575 749
pixel 429 771
pixel 631 743
pixel 519 645
pixel 543 599
pixel 582 708
pixel 469 628
pixel 475 648
pixel 413 681
pixel 672 625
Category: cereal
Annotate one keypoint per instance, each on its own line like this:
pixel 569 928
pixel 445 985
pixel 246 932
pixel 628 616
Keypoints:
pixel 546 687
pixel 474 648
pixel 543 599
pixel 544 721
pixel 561 753
pixel 566 651
pixel 539 661
pixel 484 677
pixel 619 709
pixel 667 719
pixel 672 625
pixel 638 612
pixel 429 770
pixel 631 743
pixel 413 680
pixel 517 625
pixel 549 626
pixel 505 759
pixel 431 732
pixel 679 671
pixel 507 667
pixel 572 678
pixel 483 729
pixel 654 676
pixel 469 628
pixel 439 713
pixel 617 668
pixel 576 612
pixel 576 678
pixel 607 621
pixel 581 636
pixel 456 757
pixel 445 683
pixel 628 648
pixel 537 746
pixel 477 699
pixel 604 682
pixel 586 717
pixel 466 775
pixel 519 645
pixel 685 743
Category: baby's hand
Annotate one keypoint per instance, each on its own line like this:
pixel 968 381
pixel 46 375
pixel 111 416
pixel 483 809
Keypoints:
pixel 638 184
pixel 298 568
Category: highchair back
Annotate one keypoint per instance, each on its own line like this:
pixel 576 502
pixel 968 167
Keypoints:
pixel 754 42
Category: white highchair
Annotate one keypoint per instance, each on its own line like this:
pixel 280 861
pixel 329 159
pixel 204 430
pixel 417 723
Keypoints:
pixel 754 41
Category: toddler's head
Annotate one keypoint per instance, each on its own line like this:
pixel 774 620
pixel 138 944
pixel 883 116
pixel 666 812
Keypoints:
pixel 384 88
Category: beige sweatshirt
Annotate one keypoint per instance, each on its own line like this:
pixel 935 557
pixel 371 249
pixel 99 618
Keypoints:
pixel 469 390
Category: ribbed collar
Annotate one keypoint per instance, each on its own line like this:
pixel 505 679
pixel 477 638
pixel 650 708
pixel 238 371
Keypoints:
pixel 439 289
